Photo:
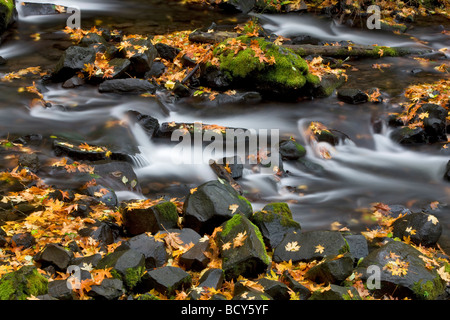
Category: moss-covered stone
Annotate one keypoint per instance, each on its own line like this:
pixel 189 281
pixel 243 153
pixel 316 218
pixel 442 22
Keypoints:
pixel 20 284
pixel 288 73
pixel 249 257
pixel 6 14
pixel 428 290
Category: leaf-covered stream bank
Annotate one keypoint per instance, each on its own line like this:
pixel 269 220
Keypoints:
pixel 88 177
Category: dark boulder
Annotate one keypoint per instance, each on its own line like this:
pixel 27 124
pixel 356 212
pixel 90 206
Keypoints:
pixel 167 280
pixel 243 6
pixel 299 289
pixel 149 219
pixel 408 136
pixel 154 251
pixel 167 52
pixel 357 244
pixel 274 221
pixel 245 253
pixel 72 61
pixel 24 240
pixel 194 258
pixel 59 289
pixel 211 204
pixel 234 165
pixel 55 255
pixel 352 96
pixel 30 161
pixel 147 122
pixel 127 265
pixel 157 70
pixel 311 245
pixel 435 124
pixel 73 82
pixel 421 228
pixel 142 61
pixel 447 171
pixel 185 235
pixel 333 269
pixel 291 150
pixel 108 289
pixel 336 292
pixel 6 15
pixel 402 272
pixel 276 289
pixel 103 194
pixel 130 85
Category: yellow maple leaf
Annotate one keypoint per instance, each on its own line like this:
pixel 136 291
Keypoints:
pixel 433 219
pixel 292 246
pixel 233 208
pixel 319 249
pixel 238 241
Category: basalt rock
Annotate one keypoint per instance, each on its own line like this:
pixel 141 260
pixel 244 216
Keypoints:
pixel 248 257
pixel 72 61
pixel 209 206
pixel 421 228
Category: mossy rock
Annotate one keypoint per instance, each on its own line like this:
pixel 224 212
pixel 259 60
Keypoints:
pixel 248 258
pixel 23 283
pixel 403 273
pixel 128 266
pixel 285 78
pixel 213 203
pixel 275 221
pixel 6 14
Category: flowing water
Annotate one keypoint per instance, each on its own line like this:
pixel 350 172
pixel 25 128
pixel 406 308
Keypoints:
pixel 367 168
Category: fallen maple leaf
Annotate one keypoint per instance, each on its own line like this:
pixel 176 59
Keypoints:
pixel 238 241
pixel 292 246
pixel 319 249
pixel 233 208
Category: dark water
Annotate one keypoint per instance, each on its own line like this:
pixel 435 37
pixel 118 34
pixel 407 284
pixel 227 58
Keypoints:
pixel 370 168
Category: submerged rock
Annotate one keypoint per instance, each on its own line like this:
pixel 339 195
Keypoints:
pixel 130 85
pixel 352 96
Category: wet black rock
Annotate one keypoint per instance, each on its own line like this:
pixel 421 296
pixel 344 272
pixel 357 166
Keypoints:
pixel 234 164
pixel 108 289
pixel 55 255
pixel 60 290
pixel 408 136
pixel 106 233
pixel 157 69
pixel 308 246
pixel 333 269
pixel 244 292
pixel 167 52
pixel 92 39
pixel 243 6
pixel 299 289
pixel 103 194
pixel 336 293
pixel 147 122
pixel 435 124
pixel 421 228
pixel 130 85
pixel 401 272
pixel 275 221
pixel 447 171
pixel 141 62
pixel 116 175
pixel 30 161
pixel 167 280
pixel 72 61
pixel 357 244
pixel 209 206
pixel 121 67
pixel 212 278
pixel 154 252
pixel 194 258
pixel 352 96
pixel 127 265
pixel 246 256
pixel 3 61
pixel 152 219
pixel 291 150
pixel 276 289
pixel 185 235
pixel 24 240
pixel 73 82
